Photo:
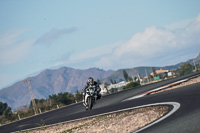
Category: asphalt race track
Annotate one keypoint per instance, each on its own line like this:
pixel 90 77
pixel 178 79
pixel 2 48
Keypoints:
pixel 185 120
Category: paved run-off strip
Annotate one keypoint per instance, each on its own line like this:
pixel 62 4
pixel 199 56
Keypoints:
pixel 156 89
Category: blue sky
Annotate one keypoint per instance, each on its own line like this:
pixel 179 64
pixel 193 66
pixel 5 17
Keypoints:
pixel 109 34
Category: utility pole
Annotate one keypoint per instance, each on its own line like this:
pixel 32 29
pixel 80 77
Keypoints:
pixel 139 77
pixel 195 65
pixel 32 97
pixel 147 75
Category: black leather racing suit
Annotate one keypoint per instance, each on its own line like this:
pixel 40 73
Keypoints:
pixel 96 85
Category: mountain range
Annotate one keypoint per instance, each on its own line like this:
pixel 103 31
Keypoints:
pixel 70 80
pixel 133 72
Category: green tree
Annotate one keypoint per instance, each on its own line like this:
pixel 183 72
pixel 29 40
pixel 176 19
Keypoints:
pixel 111 81
pixel 154 72
pixel 78 96
pixel 185 69
pixel 65 98
pixel 131 85
pixel 47 104
pixel 130 79
pixel 125 75
pixel 6 114
pixel 5 110
pixel 61 99
pixel 112 90
pixel 198 66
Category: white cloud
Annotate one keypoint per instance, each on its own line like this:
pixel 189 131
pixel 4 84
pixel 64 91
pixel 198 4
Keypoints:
pixel 12 49
pixel 155 46
pixel 61 61
pixel 151 41
pixel 95 53
pixel 179 25
pixel 54 34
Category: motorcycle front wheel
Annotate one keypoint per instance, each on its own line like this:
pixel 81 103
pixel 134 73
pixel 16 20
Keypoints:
pixel 90 103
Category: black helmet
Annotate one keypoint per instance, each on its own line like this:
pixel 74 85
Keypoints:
pixel 90 80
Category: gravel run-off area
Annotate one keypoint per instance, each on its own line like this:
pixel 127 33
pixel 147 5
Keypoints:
pixel 122 122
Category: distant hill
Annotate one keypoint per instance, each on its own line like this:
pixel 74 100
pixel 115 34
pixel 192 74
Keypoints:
pixel 50 82
pixel 118 75
pixel 133 72
pixel 66 79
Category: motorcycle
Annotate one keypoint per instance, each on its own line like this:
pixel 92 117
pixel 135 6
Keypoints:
pixel 90 98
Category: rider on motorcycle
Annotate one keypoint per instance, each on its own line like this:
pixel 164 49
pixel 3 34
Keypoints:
pixel 91 83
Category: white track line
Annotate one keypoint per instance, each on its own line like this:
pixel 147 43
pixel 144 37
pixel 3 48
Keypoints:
pixel 134 97
pixel 176 107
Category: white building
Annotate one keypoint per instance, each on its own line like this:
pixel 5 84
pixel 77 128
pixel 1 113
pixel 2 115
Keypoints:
pixel 117 85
